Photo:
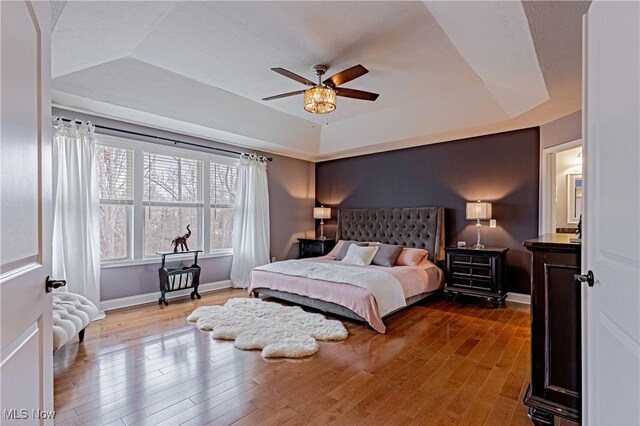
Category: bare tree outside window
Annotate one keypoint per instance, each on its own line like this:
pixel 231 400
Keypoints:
pixel 173 196
pixel 172 200
pixel 115 181
pixel 223 204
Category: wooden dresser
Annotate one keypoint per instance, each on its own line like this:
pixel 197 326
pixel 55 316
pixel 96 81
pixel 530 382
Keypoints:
pixel 556 381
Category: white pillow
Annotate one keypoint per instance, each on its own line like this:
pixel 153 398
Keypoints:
pixel 360 255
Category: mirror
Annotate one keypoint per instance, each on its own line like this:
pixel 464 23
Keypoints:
pixel 574 197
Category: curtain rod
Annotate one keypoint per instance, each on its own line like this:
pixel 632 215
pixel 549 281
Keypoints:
pixel 174 141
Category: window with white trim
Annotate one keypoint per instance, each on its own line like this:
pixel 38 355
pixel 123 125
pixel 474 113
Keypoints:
pixel 223 204
pixel 115 171
pixel 149 194
pixel 172 201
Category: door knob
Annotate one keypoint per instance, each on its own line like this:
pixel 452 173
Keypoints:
pixel 587 278
pixel 51 284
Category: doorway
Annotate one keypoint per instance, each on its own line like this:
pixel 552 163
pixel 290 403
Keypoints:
pixel 562 188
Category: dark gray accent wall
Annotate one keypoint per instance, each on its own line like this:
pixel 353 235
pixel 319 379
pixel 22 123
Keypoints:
pixel 291 202
pixel 502 168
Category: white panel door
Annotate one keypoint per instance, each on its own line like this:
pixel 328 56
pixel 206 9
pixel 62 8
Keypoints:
pixel 26 370
pixel 612 250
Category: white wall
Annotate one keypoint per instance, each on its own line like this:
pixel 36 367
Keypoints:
pixel 564 166
pixel 564 129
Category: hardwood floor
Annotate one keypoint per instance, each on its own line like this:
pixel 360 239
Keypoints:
pixel 439 363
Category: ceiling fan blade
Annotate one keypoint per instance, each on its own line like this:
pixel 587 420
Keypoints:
pixel 293 76
pixel 284 95
pixel 347 75
pixel 356 94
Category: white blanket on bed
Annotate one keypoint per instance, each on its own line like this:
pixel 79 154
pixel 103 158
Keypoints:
pixel 386 289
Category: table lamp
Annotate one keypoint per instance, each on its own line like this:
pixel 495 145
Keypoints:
pixel 322 213
pixel 478 211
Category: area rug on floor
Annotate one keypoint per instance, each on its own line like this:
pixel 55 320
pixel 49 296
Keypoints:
pixel 280 331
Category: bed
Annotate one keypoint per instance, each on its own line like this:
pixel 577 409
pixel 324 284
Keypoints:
pixel 357 292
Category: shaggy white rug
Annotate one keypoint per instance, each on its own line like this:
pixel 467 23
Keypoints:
pixel 280 331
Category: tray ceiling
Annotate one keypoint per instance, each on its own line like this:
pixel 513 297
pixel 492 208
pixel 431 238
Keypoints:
pixel 443 69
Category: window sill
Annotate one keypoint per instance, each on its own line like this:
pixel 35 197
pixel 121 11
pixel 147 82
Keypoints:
pixel 157 260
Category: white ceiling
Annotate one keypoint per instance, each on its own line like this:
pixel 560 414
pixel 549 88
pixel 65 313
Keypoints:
pixel 443 69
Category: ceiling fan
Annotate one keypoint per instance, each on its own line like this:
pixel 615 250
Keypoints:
pixel 320 98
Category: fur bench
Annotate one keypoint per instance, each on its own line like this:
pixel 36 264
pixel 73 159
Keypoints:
pixel 72 313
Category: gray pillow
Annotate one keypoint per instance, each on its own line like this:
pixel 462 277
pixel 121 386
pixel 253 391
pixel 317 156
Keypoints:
pixel 387 255
pixel 345 248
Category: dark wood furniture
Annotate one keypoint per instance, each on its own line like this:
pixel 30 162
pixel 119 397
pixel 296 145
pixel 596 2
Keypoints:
pixel 174 279
pixel 311 247
pixel 556 382
pixel 476 272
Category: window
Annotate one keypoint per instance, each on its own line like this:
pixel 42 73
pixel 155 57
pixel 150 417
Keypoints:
pixel 115 170
pixel 149 193
pixel 223 202
pixel 172 201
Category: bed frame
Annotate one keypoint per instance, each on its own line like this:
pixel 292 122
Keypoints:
pixel 419 227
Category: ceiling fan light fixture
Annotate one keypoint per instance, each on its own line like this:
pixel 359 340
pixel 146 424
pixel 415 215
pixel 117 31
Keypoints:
pixel 320 100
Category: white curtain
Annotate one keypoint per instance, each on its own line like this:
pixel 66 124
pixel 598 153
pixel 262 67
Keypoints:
pixel 76 204
pixel 251 225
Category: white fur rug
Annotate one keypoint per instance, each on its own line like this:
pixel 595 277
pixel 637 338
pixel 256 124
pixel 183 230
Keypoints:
pixel 280 331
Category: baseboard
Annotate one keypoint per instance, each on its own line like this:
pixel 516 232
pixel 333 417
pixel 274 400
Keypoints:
pixel 139 299
pixel 525 299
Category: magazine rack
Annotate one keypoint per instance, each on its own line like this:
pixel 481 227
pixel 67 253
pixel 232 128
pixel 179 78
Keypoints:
pixel 174 279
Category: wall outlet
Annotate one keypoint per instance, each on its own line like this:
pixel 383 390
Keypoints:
pixel 273 259
pixel 492 223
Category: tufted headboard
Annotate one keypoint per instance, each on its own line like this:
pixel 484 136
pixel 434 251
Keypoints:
pixel 420 227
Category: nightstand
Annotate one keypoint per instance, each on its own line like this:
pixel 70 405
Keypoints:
pixel 476 272
pixel 311 247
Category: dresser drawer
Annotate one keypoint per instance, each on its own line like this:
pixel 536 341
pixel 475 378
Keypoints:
pixel 485 285
pixel 314 248
pixel 471 283
pixel 472 271
pixel 311 248
pixel 465 259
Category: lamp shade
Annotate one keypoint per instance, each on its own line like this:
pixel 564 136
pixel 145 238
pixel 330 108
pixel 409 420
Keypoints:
pixel 478 210
pixel 322 212
pixel 320 100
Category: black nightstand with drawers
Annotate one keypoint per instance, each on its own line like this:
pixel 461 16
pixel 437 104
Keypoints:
pixel 476 272
pixel 311 247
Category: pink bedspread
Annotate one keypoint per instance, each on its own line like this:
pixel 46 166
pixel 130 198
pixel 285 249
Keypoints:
pixel 414 281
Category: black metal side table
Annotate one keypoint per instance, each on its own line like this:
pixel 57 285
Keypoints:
pixel 174 279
